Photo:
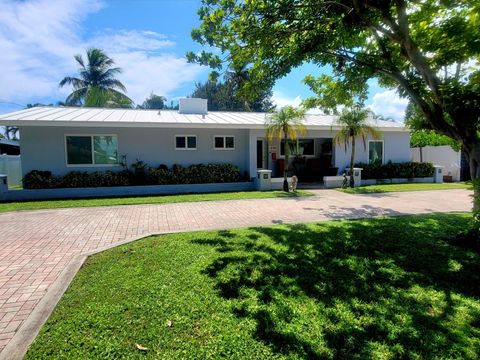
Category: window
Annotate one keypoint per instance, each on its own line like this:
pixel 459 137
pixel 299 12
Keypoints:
pixel 91 149
pixel 224 142
pixel 292 147
pixel 185 142
pixel 304 147
pixel 375 151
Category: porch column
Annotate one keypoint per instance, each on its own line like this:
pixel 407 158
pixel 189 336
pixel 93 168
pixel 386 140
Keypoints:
pixel 252 153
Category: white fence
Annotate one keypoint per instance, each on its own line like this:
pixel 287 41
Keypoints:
pixel 10 165
pixel 440 155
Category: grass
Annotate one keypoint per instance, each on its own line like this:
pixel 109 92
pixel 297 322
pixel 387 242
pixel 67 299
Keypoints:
pixel 406 187
pixel 380 288
pixel 159 199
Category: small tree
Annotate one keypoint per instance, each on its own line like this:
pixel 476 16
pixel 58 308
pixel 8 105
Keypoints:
pixel 286 124
pixel 97 85
pixel 353 123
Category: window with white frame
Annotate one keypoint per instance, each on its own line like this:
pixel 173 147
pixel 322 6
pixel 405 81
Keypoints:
pixel 91 150
pixel 303 147
pixel 185 142
pixel 375 151
pixel 224 142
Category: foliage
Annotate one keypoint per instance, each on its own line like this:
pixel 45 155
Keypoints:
pixel 153 102
pixel 96 85
pixel 383 288
pixel 386 188
pixel 285 124
pixel 422 138
pixel 427 50
pixel 421 134
pixel 392 170
pixel 141 174
pixel 354 123
pixel 36 179
pixel 223 96
pixel 10 133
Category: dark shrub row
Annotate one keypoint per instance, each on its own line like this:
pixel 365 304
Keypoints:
pixel 396 170
pixel 141 174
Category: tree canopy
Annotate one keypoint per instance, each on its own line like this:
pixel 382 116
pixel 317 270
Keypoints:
pixel 153 102
pixel 230 95
pixel 428 50
pixel 223 96
pixel 97 85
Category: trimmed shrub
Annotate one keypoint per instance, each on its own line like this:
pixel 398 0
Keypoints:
pixel 396 170
pixel 37 179
pixel 141 174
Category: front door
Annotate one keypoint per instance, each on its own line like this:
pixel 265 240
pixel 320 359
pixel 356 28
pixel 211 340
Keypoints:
pixel 261 154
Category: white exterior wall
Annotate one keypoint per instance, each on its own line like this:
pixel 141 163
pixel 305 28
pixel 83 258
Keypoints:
pixel 10 165
pixel 440 155
pixel 43 148
pixel 396 149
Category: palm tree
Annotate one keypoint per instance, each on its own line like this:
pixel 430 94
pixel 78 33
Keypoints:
pixel 354 123
pixel 285 124
pixel 96 85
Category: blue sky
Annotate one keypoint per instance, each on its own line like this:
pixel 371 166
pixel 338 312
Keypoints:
pixel 147 38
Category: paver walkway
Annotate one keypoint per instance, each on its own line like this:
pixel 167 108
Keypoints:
pixel 36 246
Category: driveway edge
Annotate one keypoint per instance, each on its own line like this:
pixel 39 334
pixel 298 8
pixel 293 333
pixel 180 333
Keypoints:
pixel 21 341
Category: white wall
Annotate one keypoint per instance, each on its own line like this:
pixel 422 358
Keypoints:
pixel 396 149
pixel 10 165
pixel 43 148
pixel 440 155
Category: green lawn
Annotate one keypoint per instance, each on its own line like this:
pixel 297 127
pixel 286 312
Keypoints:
pixel 159 199
pixel 380 288
pixel 406 187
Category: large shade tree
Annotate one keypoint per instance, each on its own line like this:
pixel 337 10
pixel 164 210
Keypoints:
pixel 284 125
pixel 427 50
pixel 97 84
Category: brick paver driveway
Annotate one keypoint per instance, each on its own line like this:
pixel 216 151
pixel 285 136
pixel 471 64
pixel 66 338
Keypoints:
pixel 37 246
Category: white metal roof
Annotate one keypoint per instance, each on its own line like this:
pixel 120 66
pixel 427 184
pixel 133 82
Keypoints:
pixel 76 116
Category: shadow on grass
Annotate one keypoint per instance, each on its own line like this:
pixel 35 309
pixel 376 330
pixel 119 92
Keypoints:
pixel 358 289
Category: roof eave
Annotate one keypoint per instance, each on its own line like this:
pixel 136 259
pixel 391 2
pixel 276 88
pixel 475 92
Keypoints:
pixel 55 123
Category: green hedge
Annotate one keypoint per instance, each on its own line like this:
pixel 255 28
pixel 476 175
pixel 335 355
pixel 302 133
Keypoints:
pixel 396 170
pixel 140 174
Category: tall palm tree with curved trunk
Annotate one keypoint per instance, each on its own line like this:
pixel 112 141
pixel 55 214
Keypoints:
pixel 285 124
pixel 97 84
pixel 354 123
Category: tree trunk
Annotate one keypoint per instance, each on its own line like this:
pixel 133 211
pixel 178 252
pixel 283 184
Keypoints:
pixel 421 154
pixel 352 162
pixel 285 167
pixel 472 154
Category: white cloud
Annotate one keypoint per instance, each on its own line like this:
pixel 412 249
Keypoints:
pixel 123 40
pixel 39 38
pixel 389 104
pixel 281 100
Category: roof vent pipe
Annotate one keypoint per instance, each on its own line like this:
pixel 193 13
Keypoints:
pixel 193 106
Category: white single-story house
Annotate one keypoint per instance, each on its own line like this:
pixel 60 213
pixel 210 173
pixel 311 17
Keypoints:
pixel 63 139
